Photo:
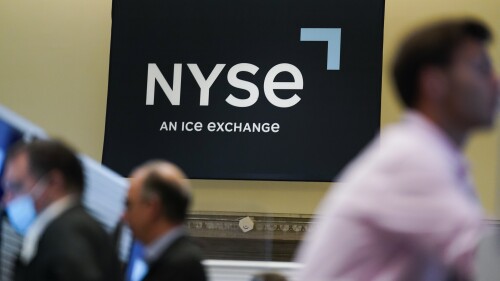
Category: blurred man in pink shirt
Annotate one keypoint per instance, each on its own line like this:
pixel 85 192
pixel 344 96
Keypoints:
pixel 406 209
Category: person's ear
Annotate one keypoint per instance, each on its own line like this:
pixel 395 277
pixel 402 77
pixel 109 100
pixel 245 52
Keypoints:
pixel 433 83
pixel 56 181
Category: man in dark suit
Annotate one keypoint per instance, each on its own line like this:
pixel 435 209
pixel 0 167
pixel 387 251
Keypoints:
pixel 43 183
pixel 157 204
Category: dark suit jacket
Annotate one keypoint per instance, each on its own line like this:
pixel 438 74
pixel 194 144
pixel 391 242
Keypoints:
pixel 74 247
pixel 181 261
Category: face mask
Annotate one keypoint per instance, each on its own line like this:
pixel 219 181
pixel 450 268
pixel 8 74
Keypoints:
pixel 21 210
pixel 21 213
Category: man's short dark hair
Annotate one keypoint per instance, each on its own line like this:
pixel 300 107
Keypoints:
pixel 433 45
pixel 174 201
pixel 45 156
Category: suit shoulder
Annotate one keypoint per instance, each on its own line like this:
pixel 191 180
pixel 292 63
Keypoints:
pixel 75 224
pixel 184 249
pixel 182 261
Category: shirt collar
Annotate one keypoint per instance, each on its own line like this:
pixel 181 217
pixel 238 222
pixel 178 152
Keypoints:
pixel 420 121
pixel 54 210
pixel 451 150
pixel 153 251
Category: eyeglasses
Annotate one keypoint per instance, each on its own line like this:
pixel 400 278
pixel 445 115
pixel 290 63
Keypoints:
pixel 13 187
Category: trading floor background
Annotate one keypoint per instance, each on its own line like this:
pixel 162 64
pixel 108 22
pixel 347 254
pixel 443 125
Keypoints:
pixel 54 61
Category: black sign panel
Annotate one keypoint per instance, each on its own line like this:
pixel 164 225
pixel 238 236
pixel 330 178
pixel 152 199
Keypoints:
pixel 234 89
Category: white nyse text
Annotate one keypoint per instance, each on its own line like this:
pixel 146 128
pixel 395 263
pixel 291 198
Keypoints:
pixel 173 93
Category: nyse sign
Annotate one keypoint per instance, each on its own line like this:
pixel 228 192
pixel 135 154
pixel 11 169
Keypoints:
pixel 269 90
pixel 173 93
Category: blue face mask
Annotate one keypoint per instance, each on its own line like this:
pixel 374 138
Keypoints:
pixel 21 213
pixel 21 210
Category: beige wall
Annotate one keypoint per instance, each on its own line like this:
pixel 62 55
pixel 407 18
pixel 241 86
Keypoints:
pixel 54 59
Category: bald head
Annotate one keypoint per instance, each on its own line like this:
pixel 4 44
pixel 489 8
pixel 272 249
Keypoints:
pixel 167 183
pixel 165 171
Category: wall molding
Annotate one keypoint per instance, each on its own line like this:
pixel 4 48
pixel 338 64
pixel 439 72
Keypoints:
pixel 274 237
pixel 266 226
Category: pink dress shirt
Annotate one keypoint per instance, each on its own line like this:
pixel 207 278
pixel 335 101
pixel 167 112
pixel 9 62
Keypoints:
pixel 405 209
